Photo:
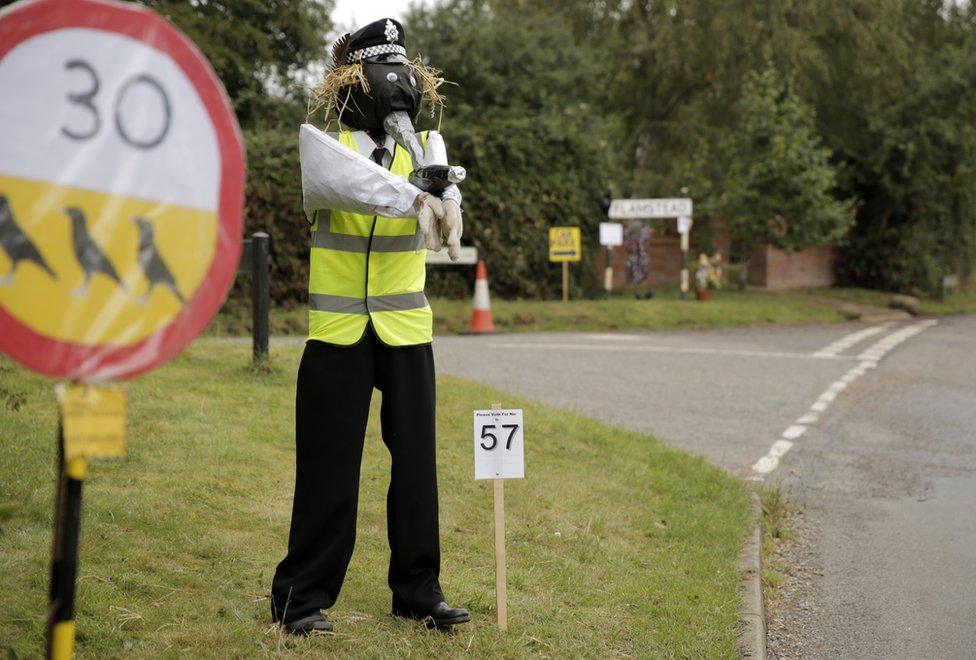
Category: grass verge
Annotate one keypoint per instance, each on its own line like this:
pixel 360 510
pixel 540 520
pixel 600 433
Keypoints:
pixel 666 311
pixel 960 302
pixel 618 545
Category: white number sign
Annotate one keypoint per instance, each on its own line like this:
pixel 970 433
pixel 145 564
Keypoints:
pixel 499 444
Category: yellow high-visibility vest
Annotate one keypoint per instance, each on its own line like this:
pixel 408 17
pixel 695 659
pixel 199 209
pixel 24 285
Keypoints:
pixel 364 269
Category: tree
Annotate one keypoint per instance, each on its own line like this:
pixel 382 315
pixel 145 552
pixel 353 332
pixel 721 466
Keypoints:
pixel 521 120
pixel 774 180
pixel 896 99
pixel 255 47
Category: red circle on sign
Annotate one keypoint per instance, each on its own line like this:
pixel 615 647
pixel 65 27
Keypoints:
pixel 82 362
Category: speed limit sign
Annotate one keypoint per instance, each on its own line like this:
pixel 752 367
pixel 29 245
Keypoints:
pixel 121 189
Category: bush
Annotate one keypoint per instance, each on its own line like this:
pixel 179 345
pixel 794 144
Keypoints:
pixel 524 176
pixel 905 259
pixel 274 205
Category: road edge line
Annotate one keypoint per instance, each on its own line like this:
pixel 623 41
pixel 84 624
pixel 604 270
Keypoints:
pixel 752 611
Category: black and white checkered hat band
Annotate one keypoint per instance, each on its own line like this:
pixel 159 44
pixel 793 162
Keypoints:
pixel 373 51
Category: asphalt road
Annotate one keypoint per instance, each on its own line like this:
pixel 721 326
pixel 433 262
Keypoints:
pixel 888 554
pixel 872 428
pixel 725 394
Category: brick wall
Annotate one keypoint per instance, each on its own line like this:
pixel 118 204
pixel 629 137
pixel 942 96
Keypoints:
pixel 664 254
pixel 775 269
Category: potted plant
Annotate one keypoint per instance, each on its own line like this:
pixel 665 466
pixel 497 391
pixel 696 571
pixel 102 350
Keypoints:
pixel 708 275
pixel 703 278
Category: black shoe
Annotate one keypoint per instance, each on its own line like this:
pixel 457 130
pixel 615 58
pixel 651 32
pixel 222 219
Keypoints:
pixel 441 615
pixel 311 624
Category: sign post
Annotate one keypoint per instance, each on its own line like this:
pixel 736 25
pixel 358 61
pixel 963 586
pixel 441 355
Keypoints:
pixel 121 192
pixel 260 296
pixel 565 245
pixel 684 228
pixel 91 425
pixel 499 454
pixel 501 579
pixel 611 235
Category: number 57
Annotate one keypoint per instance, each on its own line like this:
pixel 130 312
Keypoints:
pixel 494 440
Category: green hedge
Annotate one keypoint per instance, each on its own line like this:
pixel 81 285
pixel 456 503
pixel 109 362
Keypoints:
pixel 274 205
pixel 525 175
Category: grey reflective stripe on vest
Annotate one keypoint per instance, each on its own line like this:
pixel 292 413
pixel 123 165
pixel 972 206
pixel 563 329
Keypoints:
pixel 343 242
pixel 324 237
pixel 323 302
pixel 397 243
pixel 397 303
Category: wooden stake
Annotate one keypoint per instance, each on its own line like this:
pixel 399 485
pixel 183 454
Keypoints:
pixel 501 590
pixel 565 281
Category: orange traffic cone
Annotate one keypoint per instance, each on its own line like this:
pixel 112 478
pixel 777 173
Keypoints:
pixel 481 314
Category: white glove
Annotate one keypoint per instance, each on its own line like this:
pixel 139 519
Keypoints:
pixel 430 211
pixel 451 227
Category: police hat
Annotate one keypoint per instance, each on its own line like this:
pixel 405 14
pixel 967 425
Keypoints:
pixel 382 37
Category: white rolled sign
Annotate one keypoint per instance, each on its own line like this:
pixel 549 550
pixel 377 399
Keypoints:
pixel 638 209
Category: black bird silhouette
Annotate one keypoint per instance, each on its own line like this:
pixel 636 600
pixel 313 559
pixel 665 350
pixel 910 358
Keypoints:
pixel 156 270
pixel 17 245
pixel 90 257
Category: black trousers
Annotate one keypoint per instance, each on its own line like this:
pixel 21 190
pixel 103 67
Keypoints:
pixel 335 385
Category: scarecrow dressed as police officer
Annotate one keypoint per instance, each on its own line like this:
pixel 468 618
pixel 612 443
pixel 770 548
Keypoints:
pixel 378 196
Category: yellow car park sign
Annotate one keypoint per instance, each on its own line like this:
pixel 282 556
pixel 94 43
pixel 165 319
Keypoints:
pixel 564 244
pixel 92 421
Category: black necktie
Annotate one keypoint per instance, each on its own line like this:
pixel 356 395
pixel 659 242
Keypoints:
pixel 378 156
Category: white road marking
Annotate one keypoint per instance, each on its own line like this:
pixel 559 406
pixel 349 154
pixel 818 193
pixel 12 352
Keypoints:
pixel 869 359
pixel 845 342
pixel 768 463
pixel 609 336
pixel 661 349
pixel 878 350
pixel 794 432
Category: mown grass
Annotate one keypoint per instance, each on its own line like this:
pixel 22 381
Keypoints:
pixel 666 311
pixel 618 545
pixel 959 302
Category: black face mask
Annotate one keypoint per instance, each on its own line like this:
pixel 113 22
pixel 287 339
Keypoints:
pixel 392 86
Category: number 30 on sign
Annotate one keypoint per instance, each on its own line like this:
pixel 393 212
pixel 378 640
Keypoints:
pixel 499 444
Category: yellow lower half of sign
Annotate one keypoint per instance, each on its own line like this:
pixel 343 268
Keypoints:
pixel 92 421
pixel 98 269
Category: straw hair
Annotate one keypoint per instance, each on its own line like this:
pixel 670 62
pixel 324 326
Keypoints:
pixel 332 93
pixel 338 79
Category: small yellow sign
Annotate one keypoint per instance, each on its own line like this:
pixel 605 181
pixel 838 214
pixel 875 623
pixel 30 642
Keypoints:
pixel 92 421
pixel 564 244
